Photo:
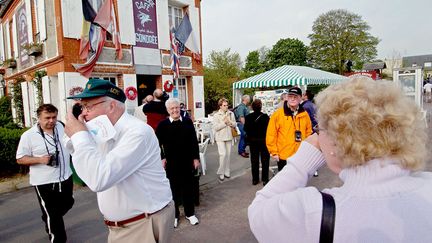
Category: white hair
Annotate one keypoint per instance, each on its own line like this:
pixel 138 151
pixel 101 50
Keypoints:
pixel 119 103
pixel 244 97
pixel 172 101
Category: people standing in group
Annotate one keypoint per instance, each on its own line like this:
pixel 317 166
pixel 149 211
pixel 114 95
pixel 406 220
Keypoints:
pixel 139 113
pixel 428 89
pixel 256 127
pixel 155 110
pixel 133 191
pixel 374 138
pixel 241 111
pixel 223 122
pixel 180 157
pixel 288 126
pixel 309 106
pixel 42 149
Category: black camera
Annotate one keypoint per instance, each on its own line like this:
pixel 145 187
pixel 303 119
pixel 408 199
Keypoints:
pixel 76 110
pixel 165 96
pixel 298 136
pixel 53 162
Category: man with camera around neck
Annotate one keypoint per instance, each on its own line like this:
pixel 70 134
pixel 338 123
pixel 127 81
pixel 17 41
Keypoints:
pixel 125 170
pixel 42 149
pixel 288 126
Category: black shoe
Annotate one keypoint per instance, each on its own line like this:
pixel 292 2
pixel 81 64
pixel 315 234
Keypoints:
pixel 265 182
pixel 255 182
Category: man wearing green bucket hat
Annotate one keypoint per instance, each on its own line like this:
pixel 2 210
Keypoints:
pixel 126 171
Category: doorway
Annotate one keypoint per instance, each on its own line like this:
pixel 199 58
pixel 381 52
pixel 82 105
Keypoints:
pixel 146 84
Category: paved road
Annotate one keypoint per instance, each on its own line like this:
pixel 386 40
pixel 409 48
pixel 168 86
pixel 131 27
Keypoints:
pixel 222 213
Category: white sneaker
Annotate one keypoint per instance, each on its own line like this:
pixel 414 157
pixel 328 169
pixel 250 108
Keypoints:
pixel 175 222
pixel 193 220
pixel 221 177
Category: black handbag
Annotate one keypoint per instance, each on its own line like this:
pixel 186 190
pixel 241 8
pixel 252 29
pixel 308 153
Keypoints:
pixel 327 218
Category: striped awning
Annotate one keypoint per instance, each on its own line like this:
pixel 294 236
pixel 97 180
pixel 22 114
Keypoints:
pixel 289 75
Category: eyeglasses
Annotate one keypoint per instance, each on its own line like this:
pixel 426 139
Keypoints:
pixel 89 108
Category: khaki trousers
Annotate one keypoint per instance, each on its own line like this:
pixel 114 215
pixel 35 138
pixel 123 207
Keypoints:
pixel 224 149
pixel 158 227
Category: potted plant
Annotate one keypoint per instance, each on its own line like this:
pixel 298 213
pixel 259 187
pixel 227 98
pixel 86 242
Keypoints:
pixel 10 63
pixel 33 48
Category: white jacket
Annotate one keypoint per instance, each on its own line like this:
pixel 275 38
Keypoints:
pixel 222 131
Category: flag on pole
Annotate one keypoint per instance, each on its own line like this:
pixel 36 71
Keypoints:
pixel 106 19
pixel 185 35
pixel 95 26
pixel 174 55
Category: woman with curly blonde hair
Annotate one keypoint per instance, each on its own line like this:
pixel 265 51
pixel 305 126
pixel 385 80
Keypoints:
pixel 374 138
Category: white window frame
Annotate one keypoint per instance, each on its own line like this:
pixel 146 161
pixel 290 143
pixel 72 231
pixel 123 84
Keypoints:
pixel 112 79
pixel 175 15
pixel 182 90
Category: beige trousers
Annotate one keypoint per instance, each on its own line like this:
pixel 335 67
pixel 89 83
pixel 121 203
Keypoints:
pixel 224 149
pixel 158 227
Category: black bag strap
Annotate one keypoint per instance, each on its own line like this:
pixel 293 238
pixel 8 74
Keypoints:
pixel 327 219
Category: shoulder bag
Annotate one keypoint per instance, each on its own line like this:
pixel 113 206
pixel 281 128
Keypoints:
pixel 327 219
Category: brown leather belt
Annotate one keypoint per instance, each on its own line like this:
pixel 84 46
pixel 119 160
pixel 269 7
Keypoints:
pixel 133 219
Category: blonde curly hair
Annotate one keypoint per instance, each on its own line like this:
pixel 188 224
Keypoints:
pixel 370 119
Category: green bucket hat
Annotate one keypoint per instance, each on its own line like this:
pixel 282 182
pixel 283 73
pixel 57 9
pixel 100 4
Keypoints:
pixel 99 87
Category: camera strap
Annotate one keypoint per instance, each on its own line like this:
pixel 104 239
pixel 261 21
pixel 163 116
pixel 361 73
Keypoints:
pixel 42 133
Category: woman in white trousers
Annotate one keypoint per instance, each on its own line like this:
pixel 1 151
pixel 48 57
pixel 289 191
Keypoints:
pixel 223 121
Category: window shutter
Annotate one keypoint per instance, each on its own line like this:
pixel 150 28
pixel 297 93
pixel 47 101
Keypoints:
pixel 15 37
pixel 29 21
pixel 41 19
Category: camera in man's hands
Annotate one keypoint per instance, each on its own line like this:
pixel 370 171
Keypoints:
pixel 76 110
pixel 53 162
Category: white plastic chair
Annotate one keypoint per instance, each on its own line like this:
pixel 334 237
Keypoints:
pixel 203 149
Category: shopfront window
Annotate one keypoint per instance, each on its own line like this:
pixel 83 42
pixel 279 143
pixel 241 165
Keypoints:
pixel 182 90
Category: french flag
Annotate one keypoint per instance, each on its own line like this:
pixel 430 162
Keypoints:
pixel 185 35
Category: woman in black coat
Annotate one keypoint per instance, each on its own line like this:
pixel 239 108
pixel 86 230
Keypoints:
pixel 256 128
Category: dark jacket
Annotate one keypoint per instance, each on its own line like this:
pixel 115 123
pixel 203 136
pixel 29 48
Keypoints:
pixel 179 146
pixel 310 108
pixel 256 126
pixel 155 112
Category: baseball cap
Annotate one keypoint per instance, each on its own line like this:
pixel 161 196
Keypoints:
pixel 295 91
pixel 99 87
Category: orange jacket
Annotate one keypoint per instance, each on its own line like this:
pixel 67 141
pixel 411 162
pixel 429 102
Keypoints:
pixel 280 137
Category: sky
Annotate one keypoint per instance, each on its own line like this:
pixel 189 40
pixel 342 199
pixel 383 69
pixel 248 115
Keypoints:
pixel 404 27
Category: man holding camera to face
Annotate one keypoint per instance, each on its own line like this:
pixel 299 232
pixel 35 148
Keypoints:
pixel 288 126
pixel 125 170
pixel 42 149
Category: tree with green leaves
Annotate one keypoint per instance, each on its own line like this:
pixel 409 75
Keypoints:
pixel 286 52
pixel 222 68
pixel 339 37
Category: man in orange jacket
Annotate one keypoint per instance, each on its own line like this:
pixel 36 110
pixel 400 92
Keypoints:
pixel 288 126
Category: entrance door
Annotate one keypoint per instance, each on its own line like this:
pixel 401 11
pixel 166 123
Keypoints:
pixel 146 84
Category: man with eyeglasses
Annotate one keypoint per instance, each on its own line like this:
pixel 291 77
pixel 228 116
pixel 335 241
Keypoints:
pixel 288 126
pixel 42 150
pixel 133 191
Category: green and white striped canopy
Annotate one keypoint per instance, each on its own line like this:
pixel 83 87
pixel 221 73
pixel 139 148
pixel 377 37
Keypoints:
pixel 289 75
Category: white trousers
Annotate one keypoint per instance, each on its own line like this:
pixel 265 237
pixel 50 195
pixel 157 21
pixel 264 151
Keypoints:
pixel 224 149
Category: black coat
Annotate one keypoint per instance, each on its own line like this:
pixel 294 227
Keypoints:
pixel 256 126
pixel 179 146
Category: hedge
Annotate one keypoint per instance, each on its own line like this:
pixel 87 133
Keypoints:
pixel 9 139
